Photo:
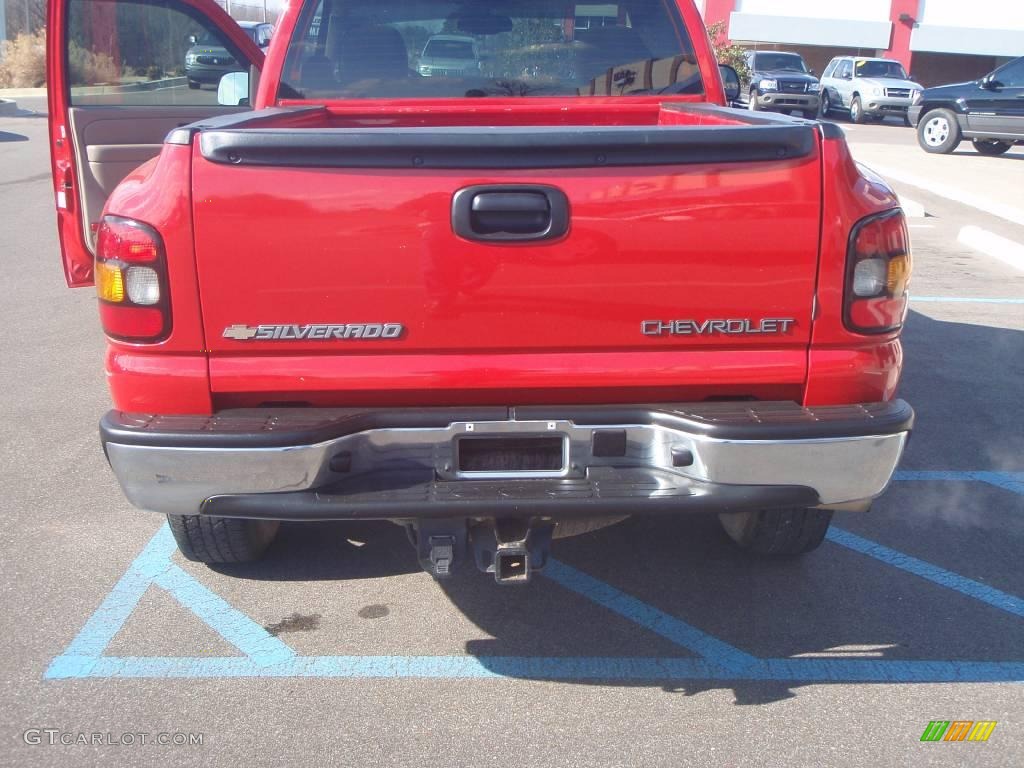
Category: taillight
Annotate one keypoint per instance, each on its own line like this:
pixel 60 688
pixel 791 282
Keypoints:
pixel 878 265
pixel 131 281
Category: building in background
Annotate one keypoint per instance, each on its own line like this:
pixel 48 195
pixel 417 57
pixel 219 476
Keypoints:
pixel 253 10
pixel 939 41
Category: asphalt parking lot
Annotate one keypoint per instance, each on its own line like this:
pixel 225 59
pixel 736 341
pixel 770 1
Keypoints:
pixel 649 642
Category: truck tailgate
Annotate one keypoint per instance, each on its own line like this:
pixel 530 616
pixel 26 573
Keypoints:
pixel 339 242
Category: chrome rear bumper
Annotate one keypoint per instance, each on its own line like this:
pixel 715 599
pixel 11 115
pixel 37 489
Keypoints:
pixel 343 464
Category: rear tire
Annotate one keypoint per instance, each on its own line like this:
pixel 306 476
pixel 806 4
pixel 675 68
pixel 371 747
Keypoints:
pixel 218 540
pixel 193 85
pixel 991 147
pixel 857 110
pixel 791 531
pixel 939 132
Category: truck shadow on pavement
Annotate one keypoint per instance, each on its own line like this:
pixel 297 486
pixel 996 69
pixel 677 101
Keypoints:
pixel 965 384
pixel 659 591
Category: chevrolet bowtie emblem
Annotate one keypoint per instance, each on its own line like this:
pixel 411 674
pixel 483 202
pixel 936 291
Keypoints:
pixel 240 332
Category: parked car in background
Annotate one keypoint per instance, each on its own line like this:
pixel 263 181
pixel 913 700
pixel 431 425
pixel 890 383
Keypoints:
pixel 867 88
pixel 207 61
pixel 780 82
pixel 989 112
pixel 449 56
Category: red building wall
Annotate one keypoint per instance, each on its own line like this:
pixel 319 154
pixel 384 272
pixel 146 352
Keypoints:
pixel 718 10
pixel 899 47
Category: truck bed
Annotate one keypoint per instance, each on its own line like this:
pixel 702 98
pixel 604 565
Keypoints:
pixel 328 259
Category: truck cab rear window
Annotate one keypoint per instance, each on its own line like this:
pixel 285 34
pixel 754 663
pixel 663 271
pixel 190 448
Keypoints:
pixel 370 49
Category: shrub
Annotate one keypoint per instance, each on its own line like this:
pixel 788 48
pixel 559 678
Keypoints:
pixel 91 68
pixel 23 61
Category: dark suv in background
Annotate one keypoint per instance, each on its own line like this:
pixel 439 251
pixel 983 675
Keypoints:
pixel 989 112
pixel 208 60
pixel 780 82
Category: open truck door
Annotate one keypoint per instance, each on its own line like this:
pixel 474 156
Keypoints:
pixel 120 75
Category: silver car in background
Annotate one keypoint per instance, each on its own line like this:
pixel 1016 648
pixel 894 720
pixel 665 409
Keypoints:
pixel 867 88
pixel 449 56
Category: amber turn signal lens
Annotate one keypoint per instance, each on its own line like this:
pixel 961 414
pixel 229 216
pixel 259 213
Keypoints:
pixel 898 275
pixel 109 282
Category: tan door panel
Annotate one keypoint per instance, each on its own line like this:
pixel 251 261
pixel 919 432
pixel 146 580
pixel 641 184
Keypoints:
pixel 112 142
pixel 109 163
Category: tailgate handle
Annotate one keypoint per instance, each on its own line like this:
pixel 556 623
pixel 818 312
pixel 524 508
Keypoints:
pixel 514 213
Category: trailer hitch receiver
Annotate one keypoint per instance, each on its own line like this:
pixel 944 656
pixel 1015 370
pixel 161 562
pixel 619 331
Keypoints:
pixel 512 549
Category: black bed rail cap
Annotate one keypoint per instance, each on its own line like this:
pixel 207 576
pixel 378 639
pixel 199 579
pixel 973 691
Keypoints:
pixel 507 147
pixel 184 134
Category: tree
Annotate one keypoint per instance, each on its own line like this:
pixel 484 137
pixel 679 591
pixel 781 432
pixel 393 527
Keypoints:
pixel 23 17
pixel 727 52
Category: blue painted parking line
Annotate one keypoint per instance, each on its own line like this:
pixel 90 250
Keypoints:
pixel 1009 481
pixel 264 655
pixel 803 670
pixel 233 625
pixel 650 618
pixel 933 573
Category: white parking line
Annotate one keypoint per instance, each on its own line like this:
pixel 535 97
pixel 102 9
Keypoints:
pixel 1003 211
pixel 911 208
pixel 991 244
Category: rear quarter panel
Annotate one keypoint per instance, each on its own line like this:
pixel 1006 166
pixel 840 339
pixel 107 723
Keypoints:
pixel 173 376
pixel 845 367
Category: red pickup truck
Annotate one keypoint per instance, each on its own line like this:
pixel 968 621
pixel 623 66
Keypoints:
pixel 496 304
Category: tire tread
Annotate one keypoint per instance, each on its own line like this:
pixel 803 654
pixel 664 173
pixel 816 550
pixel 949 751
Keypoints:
pixel 215 540
pixel 789 531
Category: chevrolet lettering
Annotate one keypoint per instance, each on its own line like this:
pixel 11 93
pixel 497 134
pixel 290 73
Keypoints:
pixel 733 327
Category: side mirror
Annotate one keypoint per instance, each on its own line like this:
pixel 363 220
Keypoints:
pixel 731 82
pixel 233 90
pixel 989 83
pixel 810 71
pixel 192 39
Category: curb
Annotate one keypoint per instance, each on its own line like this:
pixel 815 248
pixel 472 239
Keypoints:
pixel 96 90
pixel 8 107
pixel 18 93
pixel 145 85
